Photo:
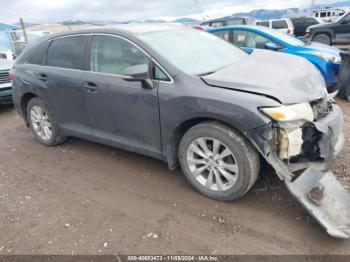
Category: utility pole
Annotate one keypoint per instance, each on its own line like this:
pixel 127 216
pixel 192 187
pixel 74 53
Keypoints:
pixel 312 7
pixel 24 30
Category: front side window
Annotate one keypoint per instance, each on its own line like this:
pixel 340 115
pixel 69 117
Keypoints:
pixel 250 39
pixel 112 55
pixel 67 52
pixel 346 19
pixel 192 51
pixel 279 24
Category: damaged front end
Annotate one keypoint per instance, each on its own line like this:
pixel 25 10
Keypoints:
pixel 297 144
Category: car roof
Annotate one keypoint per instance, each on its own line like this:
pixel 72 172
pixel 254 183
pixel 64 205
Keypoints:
pixel 115 29
pixel 123 30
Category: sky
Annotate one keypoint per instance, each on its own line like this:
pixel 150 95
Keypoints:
pixel 48 11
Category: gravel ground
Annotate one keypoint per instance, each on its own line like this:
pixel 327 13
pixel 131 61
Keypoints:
pixel 85 198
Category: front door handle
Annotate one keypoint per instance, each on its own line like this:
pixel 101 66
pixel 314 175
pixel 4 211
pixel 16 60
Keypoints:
pixel 42 77
pixel 91 87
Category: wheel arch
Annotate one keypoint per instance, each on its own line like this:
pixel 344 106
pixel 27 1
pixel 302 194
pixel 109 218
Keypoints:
pixel 329 33
pixel 24 102
pixel 172 146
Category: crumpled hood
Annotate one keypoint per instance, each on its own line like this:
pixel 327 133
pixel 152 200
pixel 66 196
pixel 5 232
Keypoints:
pixel 6 64
pixel 287 78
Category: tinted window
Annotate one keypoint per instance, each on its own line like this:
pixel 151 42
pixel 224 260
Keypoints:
pixel 217 24
pixel 279 24
pixel 158 74
pixel 265 23
pixel 39 56
pixel 250 39
pixel 346 19
pixel 112 55
pixel 224 34
pixel 323 14
pixel 234 22
pixel 67 52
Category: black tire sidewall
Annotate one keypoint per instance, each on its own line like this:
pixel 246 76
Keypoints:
pixel 38 102
pixel 236 144
pixel 323 35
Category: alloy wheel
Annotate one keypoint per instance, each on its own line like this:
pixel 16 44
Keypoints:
pixel 212 164
pixel 41 123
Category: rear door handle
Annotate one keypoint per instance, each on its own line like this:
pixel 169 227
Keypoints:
pixel 91 87
pixel 42 77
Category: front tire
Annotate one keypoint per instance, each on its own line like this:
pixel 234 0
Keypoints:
pixel 42 123
pixel 218 161
pixel 322 39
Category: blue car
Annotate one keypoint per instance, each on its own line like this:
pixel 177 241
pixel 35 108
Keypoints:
pixel 326 58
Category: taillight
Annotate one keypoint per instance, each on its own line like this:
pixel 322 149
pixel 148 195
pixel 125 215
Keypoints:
pixel 12 74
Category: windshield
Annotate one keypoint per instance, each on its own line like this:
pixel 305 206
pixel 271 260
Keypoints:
pixel 192 51
pixel 291 40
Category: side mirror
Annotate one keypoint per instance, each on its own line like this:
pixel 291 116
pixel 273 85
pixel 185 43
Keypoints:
pixel 271 46
pixel 138 73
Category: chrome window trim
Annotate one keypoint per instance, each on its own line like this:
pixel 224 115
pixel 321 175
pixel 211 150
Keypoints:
pixel 106 34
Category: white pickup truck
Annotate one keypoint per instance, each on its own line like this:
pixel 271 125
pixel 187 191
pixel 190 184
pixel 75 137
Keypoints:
pixel 5 82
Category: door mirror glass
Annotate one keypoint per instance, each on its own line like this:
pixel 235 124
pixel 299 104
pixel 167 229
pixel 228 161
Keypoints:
pixel 271 46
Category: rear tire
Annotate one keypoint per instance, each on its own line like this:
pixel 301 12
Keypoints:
pixel 42 123
pixel 218 161
pixel 322 39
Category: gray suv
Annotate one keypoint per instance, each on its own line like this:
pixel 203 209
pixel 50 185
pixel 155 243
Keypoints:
pixel 185 96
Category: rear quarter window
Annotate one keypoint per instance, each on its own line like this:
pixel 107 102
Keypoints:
pixel 279 24
pixel 67 52
pixel 39 56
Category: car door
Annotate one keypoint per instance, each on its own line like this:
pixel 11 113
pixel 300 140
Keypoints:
pixel 342 30
pixel 61 84
pixel 122 113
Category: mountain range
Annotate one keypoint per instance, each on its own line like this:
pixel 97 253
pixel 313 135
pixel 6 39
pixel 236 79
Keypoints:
pixel 258 14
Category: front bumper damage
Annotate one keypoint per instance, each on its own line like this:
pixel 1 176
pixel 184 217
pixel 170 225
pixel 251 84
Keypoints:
pixel 306 175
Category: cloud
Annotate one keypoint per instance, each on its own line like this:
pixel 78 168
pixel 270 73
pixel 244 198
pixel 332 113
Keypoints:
pixel 116 10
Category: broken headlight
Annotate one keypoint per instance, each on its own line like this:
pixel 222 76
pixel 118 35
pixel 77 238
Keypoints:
pixel 290 118
pixel 296 112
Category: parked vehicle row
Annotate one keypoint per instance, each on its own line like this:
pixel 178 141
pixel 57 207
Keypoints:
pixel 186 96
pixel 326 58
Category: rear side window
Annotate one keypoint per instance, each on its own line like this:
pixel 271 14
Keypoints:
pixel 67 52
pixel 39 57
pixel 279 24
pixel 265 23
